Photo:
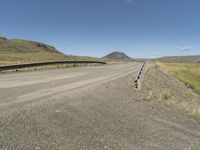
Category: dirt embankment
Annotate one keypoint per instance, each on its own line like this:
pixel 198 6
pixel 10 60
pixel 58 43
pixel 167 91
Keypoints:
pixel 162 86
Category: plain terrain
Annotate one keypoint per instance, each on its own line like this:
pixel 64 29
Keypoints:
pixel 95 108
pixel 180 59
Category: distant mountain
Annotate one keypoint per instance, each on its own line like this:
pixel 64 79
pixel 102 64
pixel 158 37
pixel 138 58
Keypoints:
pixel 181 59
pixel 117 56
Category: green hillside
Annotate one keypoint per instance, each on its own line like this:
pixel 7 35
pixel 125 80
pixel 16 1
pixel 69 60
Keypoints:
pixel 22 51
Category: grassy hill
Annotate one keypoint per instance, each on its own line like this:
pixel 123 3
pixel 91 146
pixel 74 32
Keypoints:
pixel 181 59
pixel 22 51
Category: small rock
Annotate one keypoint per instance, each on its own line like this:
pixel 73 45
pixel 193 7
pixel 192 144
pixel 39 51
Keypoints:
pixel 58 111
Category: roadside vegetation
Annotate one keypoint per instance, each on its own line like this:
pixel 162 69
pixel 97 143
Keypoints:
pixel 190 75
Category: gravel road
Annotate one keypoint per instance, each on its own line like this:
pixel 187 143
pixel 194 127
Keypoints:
pixel 91 108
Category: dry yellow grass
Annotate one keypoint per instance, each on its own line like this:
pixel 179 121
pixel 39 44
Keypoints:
pixel 16 58
pixel 190 74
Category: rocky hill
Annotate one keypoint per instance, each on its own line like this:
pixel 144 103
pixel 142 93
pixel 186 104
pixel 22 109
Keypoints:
pixel 117 56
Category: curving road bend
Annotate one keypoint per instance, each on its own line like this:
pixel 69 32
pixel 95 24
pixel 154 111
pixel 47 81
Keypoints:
pixel 23 87
pixel 91 108
pixel 25 95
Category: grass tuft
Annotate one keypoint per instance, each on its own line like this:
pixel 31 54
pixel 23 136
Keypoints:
pixel 196 115
pixel 164 97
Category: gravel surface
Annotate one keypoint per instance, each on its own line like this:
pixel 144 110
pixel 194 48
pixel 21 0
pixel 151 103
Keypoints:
pixel 92 108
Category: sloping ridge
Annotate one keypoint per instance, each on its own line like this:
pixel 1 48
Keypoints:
pixel 24 51
pixel 19 45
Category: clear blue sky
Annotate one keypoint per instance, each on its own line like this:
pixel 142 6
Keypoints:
pixel 141 28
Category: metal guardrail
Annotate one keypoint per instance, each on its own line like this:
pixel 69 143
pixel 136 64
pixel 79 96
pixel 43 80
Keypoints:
pixel 28 65
pixel 140 77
